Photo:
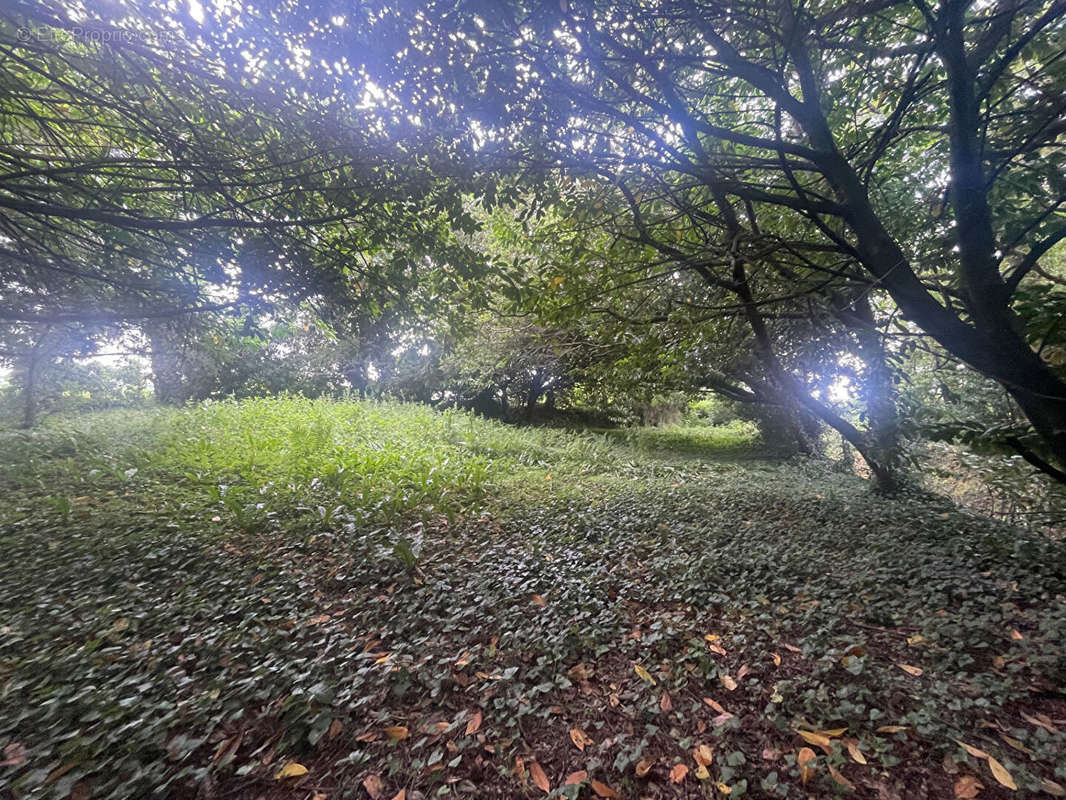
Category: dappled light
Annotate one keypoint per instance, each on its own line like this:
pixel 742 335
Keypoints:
pixel 506 399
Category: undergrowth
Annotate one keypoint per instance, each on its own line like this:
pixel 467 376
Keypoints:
pixel 290 599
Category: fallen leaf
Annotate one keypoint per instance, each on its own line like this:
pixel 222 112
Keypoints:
pixel 714 647
pixel 854 751
pixel 703 755
pixel 714 704
pixel 723 789
pixel 580 738
pixel 290 770
pixel 915 671
pixel 400 795
pixel 791 648
pixel 722 718
pixel 539 778
pixel 967 787
pixel 1017 745
pixel 1016 635
pixel 373 786
pixel 643 674
pixel 803 758
pixel 1052 788
pixel 335 729
pixel 891 728
pixel 397 732
pixel 815 738
pixel 728 682
pixel 15 754
pixel 702 773
pixel 742 672
pixel 474 723
pixel 1041 720
pixel 574 778
pixel 665 704
pixel 839 778
pixel 678 773
pixel 602 789
pixel 776 658
pixel 539 601
pixel 973 751
pixel 318 620
pixel 833 732
pixel 999 772
pixel 643 767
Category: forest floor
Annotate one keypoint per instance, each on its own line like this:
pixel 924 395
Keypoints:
pixel 323 600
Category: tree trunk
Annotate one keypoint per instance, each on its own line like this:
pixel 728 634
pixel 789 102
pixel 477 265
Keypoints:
pixel 166 371
pixel 29 387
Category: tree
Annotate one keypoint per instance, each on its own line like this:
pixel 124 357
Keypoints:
pixel 145 182
pixel 932 162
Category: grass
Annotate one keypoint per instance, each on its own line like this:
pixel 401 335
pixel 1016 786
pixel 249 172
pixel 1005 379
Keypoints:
pixel 389 597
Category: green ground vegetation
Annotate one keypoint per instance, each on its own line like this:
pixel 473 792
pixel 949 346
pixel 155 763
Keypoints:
pixel 339 599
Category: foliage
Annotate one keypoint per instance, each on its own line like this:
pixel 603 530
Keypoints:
pixel 156 641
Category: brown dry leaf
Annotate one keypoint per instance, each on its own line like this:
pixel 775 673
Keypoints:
pixel 15 754
pixel 803 758
pixel 723 789
pixel 1052 788
pixel 702 773
pixel 999 772
pixel 1016 635
pixel 910 670
pixel 791 648
pixel 643 767
pixel 574 778
pixel 665 704
pixel 967 787
pixel 678 773
pixel 318 620
pixel 973 751
pixel 1040 720
pixel 580 738
pixel 1017 745
pixel 335 729
pixel 714 704
pixel 704 755
pixel 722 718
pixel 839 778
pixel 714 647
pixel 742 672
pixel 728 682
pixel 400 795
pixel 854 751
pixel 474 724
pixel 291 770
pixel 373 786
pixel 539 601
pixel 776 658
pixel 832 733
pixel 815 738
pixel 602 789
pixel 891 728
pixel 367 736
pixel 536 772
pixel 397 732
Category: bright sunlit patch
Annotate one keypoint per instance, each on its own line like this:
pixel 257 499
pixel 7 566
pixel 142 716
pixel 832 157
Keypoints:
pixel 841 390
pixel 196 11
